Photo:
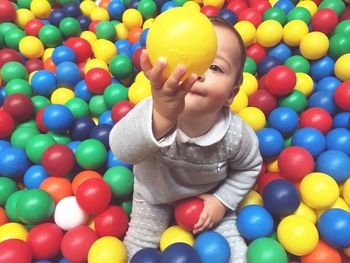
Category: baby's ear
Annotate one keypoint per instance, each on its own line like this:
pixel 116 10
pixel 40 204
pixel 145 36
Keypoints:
pixel 233 94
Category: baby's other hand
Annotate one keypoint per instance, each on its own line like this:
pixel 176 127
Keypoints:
pixel 212 213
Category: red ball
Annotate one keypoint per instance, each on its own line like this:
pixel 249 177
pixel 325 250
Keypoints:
pixel 260 5
pixel 112 222
pixel 7 55
pixel 97 80
pixel 15 251
pixel 19 106
pixel 295 163
pixel 81 48
pixel 317 118
pixel 92 26
pixel 237 6
pixel 58 160
pixel 7 124
pixel 94 195
pixel 34 64
pixel 120 109
pixel 268 177
pixel 256 52
pixel 39 121
pixel 281 80
pixel 342 96
pixel 262 82
pixel 209 10
pixel 76 243
pixel 252 15
pixel 324 20
pixel 187 212
pixel 136 57
pixel 345 15
pixel 263 100
pixel 7 11
pixel 45 240
pixel 33 27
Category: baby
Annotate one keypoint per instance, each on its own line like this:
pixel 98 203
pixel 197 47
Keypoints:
pixel 184 141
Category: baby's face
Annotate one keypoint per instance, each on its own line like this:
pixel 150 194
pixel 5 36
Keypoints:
pixel 215 88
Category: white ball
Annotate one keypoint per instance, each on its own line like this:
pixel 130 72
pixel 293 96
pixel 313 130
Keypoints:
pixel 68 213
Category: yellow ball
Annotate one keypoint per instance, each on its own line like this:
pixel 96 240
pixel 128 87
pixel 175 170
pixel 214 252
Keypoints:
pixel 13 231
pixel 340 203
pixel 269 33
pixel 347 251
pixel 61 95
pixel 99 13
pixel 47 53
pixel 314 45
pixel 342 67
pixel 240 102
pixel 306 212
pixel 175 234
pixel 132 18
pixel 252 198
pixel 249 84
pixel 294 31
pixel 139 90
pixel 346 191
pixel 89 36
pixel 121 31
pixel 254 117
pixel 193 5
pixel 297 235
pixel 182 36
pixel 107 250
pixel 272 165
pixel 141 77
pixel 216 3
pixel 95 63
pixel 23 16
pixel 319 190
pixel 247 31
pixel 309 5
pixel 104 49
pixel 31 47
pixel 273 2
pixel 87 6
pixel 40 8
pixel 304 84
pixel 147 23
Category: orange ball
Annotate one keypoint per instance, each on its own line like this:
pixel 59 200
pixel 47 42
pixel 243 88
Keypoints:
pixel 134 35
pixel 323 253
pixel 3 216
pixel 104 4
pixel 82 177
pixel 57 187
pixel 49 65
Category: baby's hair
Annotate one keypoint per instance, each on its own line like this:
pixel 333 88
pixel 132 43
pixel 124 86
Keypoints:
pixel 215 20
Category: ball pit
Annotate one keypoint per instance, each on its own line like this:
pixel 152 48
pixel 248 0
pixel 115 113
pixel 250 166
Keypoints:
pixel 70 70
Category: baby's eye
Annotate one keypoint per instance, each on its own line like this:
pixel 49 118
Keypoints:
pixel 216 68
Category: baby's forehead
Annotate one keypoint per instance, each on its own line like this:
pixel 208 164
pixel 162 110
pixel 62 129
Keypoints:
pixel 228 44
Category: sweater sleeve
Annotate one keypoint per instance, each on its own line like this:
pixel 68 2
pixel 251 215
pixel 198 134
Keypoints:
pixel 243 170
pixel 131 139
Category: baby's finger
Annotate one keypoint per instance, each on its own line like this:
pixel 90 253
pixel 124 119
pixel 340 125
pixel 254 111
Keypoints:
pixel 156 74
pixel 201 220
pixel 188 83
pixel 205 226
pixel 145 63
pixel 173 81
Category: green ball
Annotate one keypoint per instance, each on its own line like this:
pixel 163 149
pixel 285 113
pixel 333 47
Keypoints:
pixel 120 179
pixel 298 64
pixel 250 66
pixel 336 5
pixel 28 124
pixel 266 250
pixel 2 40
pixel 37 145
pixel 295 100
pixel 275 13
pixel 148 8
pixel 339 45
pixel 78 107
pixel 11 205
pixel 91 154
pixel 24 3
pixel 70 27
pixel 97 105
pixel 343 28
pixel 35 206
pixel 105 30
pixel 13 38
pixel 60 138
pixel 274 236
pixel 114 93
pixel 7 27
pixel 288 142
pixel 179 2
pixel 40 102
pixel 64 2
pixel 18 86
pixel 126 2
pixel 50 36
pixel 299 13
pixel 121 66
pixel 21 136
pixel 7 188
pixel 127 206
pixel 13 70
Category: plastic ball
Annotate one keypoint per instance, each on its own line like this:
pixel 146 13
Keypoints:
pixel 31 47
pixel 280 51
pixel 68 74
pixel 8 55
pixel 51 36
pixel 269 33
pixel 284 120
pixel 280 80
pixel 247 31
pixel 58 160
pixel 187 212
pixel 335 164
pixel 63 54
pixel 34 176
pixel 341 120
pixel 13 70
pixel 263 100
pixel 146 255
pixel 322 253
pixel 299 13
pixel 254 117
pixel 266 250
pixel 305 83
pixel 7 11
pixel 15 250
pixel 323 99
pixel 310 139
pixel 341 66
pixel 314 45
pixel 179 252
pixel 322 68
pixel 298 64
pixel 107 249
pixel 317 118
pixel 271 142
pixel 61 95
pixel 120 109
pixel 68 214
pixel 69 27
pixel 81 48
pixel 339 45
pixel 34 64
pixel 120 179
pixel 104 50
pixel 13 162
pixel 19 106
pixel 57 118
pixel 91 154
pixel 81 128
pixel 7 187
pixel 297 235
pixel 121 66
pixel 97 80
pixel 43 82
pixel 175 234
pixel 339 139
pixel 252 15
pixel 13 230
pixel 256 52
pixel 294 31
pixel 57 187
pixel 7 124
pixel 116 9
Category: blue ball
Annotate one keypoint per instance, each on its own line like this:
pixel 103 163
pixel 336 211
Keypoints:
pixel 334 227
pixel 311 139
pixel 338 139
pixel 328 83
pixel 160 3
pixel 43 82
pixel 105 118
pixel 254 221
pixel 283 119
pixel 281 197
pixel 134 4
pixel 113 161
pixel 212 247
pixel 267 63
pixel 341 120
pixel 101 133
pixel 228 15
pixel 323 99
pixel 72 9
pixel 334 163
pixel 68 74
pixel 122 44
pixel 34 176
pixel 56 16
pixel 58 118
pixel 146 255
pixel 135 46
pixel 322 68
pixel 285 5
pixel 63 260
pixel 13 162
pixel 84 22
pixel 62 54
pixel 168 5
pixel 143 37
pixel 271 142
pixel 73 145
pixel 81 91
pixel 4 145
pixel 116 9
pixel 81 127
pixel 179 253
pixel 280 51
pixel 42 261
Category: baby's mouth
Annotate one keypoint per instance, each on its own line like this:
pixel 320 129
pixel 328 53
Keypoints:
pixel 196 91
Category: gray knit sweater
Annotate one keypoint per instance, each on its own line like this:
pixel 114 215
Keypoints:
pixel 169 170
